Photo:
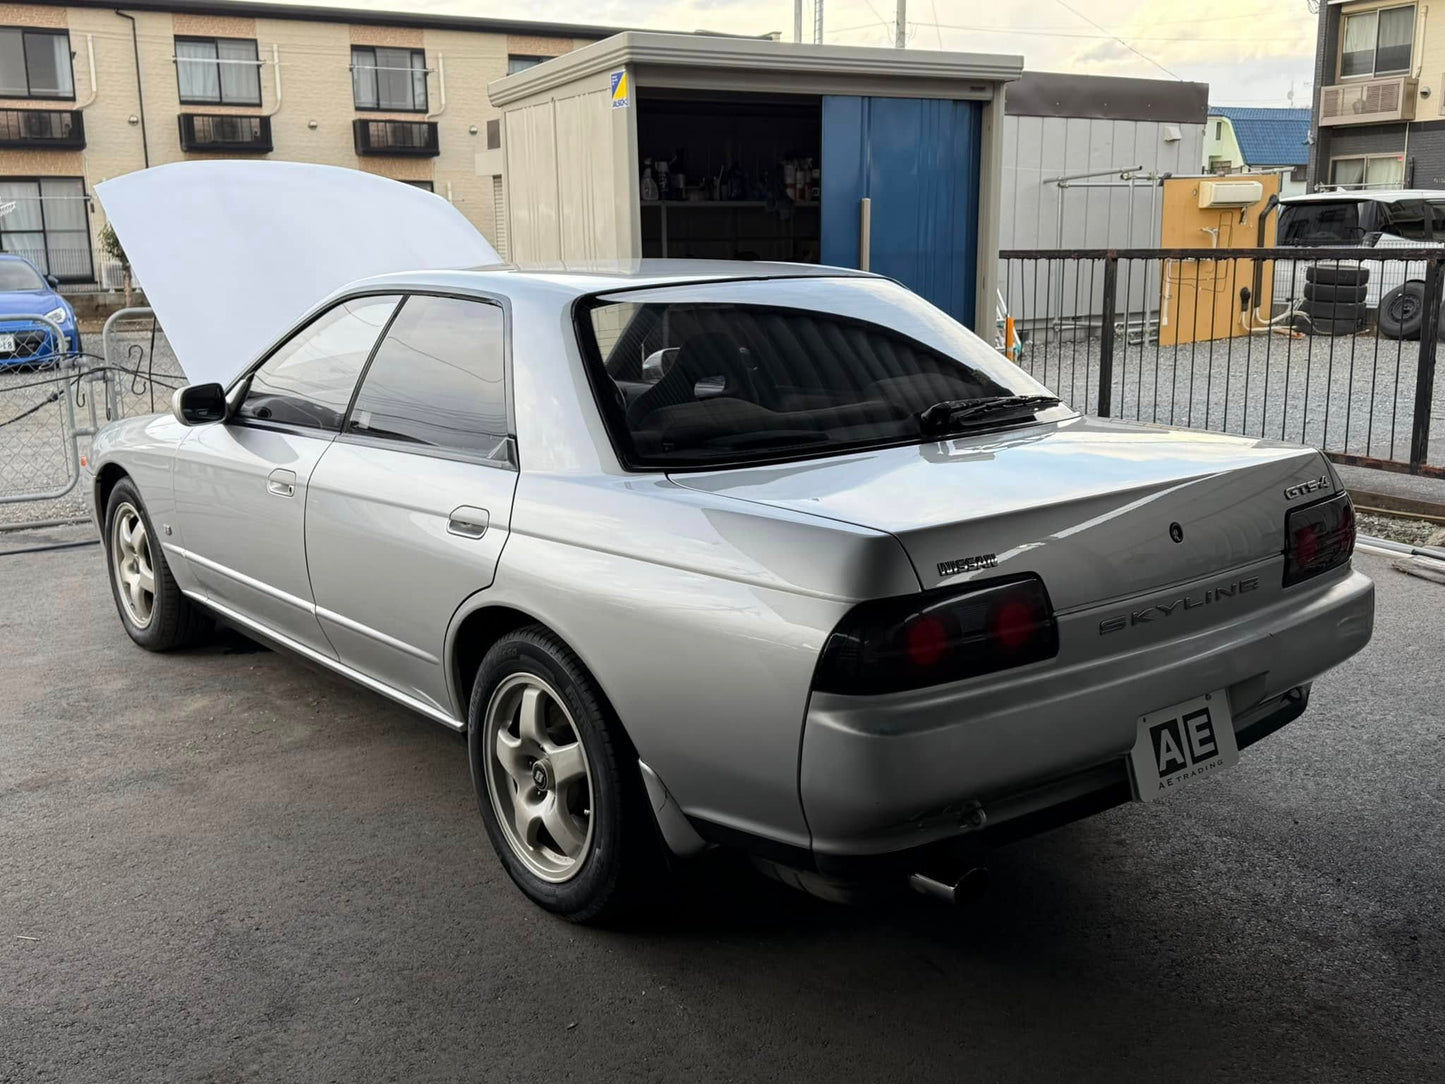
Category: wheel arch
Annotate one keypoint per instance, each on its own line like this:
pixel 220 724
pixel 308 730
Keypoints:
pixel 106 479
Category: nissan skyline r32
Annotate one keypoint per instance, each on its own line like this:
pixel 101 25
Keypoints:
pixel 769 557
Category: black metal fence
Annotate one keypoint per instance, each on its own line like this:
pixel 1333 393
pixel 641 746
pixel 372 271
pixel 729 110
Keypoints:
pixel 1329 347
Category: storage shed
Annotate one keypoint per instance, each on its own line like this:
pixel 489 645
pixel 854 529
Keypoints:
pixel 647 145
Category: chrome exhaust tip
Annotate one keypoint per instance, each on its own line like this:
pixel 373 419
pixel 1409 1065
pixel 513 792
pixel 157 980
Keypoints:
pixel 968 888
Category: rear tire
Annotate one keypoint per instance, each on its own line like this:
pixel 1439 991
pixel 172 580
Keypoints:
pixel 557 781
pixel 155 613
pixel 1402 311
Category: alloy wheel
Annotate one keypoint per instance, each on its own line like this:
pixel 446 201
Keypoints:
pixel 538 777
pixel 135 576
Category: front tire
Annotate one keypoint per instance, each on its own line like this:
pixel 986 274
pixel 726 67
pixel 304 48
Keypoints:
pixel 556 780
pixel 155 613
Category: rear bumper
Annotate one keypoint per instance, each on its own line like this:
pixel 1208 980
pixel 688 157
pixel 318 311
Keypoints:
pixel 895 773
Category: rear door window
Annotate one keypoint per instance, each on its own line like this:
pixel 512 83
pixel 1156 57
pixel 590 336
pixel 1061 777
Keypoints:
pixel 309 379
pixel 438 380
pixel 1407 218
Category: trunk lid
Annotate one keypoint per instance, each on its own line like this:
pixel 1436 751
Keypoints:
pixel 1088 504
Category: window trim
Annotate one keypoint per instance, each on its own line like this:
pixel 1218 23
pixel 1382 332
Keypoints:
pixel 507 445
pixel 30 95
pixel 44 229
pixel 425 106
pixel 401 293
pixel 1340 77
pixel 220 98
pixel 271 351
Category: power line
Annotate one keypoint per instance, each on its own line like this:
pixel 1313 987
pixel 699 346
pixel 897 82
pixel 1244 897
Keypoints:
pixel 1121 41
pixel 1075 34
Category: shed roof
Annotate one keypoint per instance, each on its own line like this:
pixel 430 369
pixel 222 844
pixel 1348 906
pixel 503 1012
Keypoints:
pixel 763 66
pixel 1269 137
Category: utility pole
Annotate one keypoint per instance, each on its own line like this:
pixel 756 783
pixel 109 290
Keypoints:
pixel 798 20
pixel 901 28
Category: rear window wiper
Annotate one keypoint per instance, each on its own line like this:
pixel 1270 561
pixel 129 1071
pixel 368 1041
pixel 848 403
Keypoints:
pixel 952 413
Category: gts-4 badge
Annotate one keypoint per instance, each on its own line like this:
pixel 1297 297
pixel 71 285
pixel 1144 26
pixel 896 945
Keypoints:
pixel 1159 612
pixel 1312 486
pixel 968 564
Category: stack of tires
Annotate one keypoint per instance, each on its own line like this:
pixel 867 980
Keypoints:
pixel 1334 299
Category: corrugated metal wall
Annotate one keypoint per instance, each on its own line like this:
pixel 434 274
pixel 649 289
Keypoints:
pixel 1039 148
pixel 560 153
pixel 1036 148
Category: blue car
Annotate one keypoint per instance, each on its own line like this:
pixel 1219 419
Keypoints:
pixel 24 291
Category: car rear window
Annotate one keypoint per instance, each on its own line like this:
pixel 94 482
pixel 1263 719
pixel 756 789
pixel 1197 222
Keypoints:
pixel 745 372
pixel 1320 223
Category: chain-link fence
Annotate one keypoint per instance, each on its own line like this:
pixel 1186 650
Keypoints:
pixel 53 401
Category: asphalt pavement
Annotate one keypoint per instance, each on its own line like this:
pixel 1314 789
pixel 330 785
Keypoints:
pixel 224 865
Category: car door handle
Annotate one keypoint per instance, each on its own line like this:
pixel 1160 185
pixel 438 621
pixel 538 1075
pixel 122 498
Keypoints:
pixel 468 522
pixel 281 482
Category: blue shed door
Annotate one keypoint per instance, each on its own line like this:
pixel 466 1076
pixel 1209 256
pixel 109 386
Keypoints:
pixel 917 160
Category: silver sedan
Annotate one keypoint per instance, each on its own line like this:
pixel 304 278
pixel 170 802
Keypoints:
pixel 768 557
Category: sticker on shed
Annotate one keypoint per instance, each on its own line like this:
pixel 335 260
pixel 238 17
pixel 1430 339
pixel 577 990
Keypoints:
pixel 619 90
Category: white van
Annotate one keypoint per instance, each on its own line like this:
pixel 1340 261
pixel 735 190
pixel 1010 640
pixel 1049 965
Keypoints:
pixel 1378 218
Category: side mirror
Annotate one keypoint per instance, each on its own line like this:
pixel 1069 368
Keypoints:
pixel 657 363
pixel 54 282
pixel 198 404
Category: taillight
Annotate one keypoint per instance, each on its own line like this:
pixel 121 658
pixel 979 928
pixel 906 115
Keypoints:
pixel 915 641
pixel 1318 537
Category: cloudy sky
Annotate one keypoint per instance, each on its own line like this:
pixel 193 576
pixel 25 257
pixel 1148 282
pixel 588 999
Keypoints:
pixel 1250 52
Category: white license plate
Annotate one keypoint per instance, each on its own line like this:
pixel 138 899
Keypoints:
pixel 7 344
pixel 1181 743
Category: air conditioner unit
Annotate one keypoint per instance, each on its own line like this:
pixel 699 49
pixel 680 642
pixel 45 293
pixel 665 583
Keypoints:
pixel 1368 102
pixel 1229 193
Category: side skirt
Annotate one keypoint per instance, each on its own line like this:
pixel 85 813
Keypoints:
pixel 334 665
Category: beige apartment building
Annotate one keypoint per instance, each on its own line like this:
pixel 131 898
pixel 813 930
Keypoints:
pixel 89 91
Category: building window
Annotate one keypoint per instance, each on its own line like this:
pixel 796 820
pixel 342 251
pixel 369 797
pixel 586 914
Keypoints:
pixel 35 64
pixel 1377 42
pixel 425 186
pixel 225 132
pixel 49 225
pixel 517 64
pixel 1297 173
pixel 494 134
pixel 218 71
pixel 390 79
pixel 398 137
pixel 1219 129
pixel 1368 171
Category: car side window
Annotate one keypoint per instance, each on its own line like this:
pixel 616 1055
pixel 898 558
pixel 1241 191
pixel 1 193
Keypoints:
pixel 438 378
pixel 1407 218
pixel 1437 219
pixel 308 381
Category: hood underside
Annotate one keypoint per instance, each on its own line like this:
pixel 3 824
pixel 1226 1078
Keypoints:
pixel 231 254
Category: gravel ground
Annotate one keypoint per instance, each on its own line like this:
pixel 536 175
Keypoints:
pixel 1412 532
pixel 221 865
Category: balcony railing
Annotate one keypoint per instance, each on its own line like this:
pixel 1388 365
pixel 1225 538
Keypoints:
pixel 1369 101
pixel 58 129
pixel 228 132
pixel 404 137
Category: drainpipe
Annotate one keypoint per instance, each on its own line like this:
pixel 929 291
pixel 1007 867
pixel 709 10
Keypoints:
pixel 90 56
pixel 441 87
pixel 139 90
pixel 276 67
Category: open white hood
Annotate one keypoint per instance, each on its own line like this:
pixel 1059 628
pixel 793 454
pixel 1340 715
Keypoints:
pixel 231 254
